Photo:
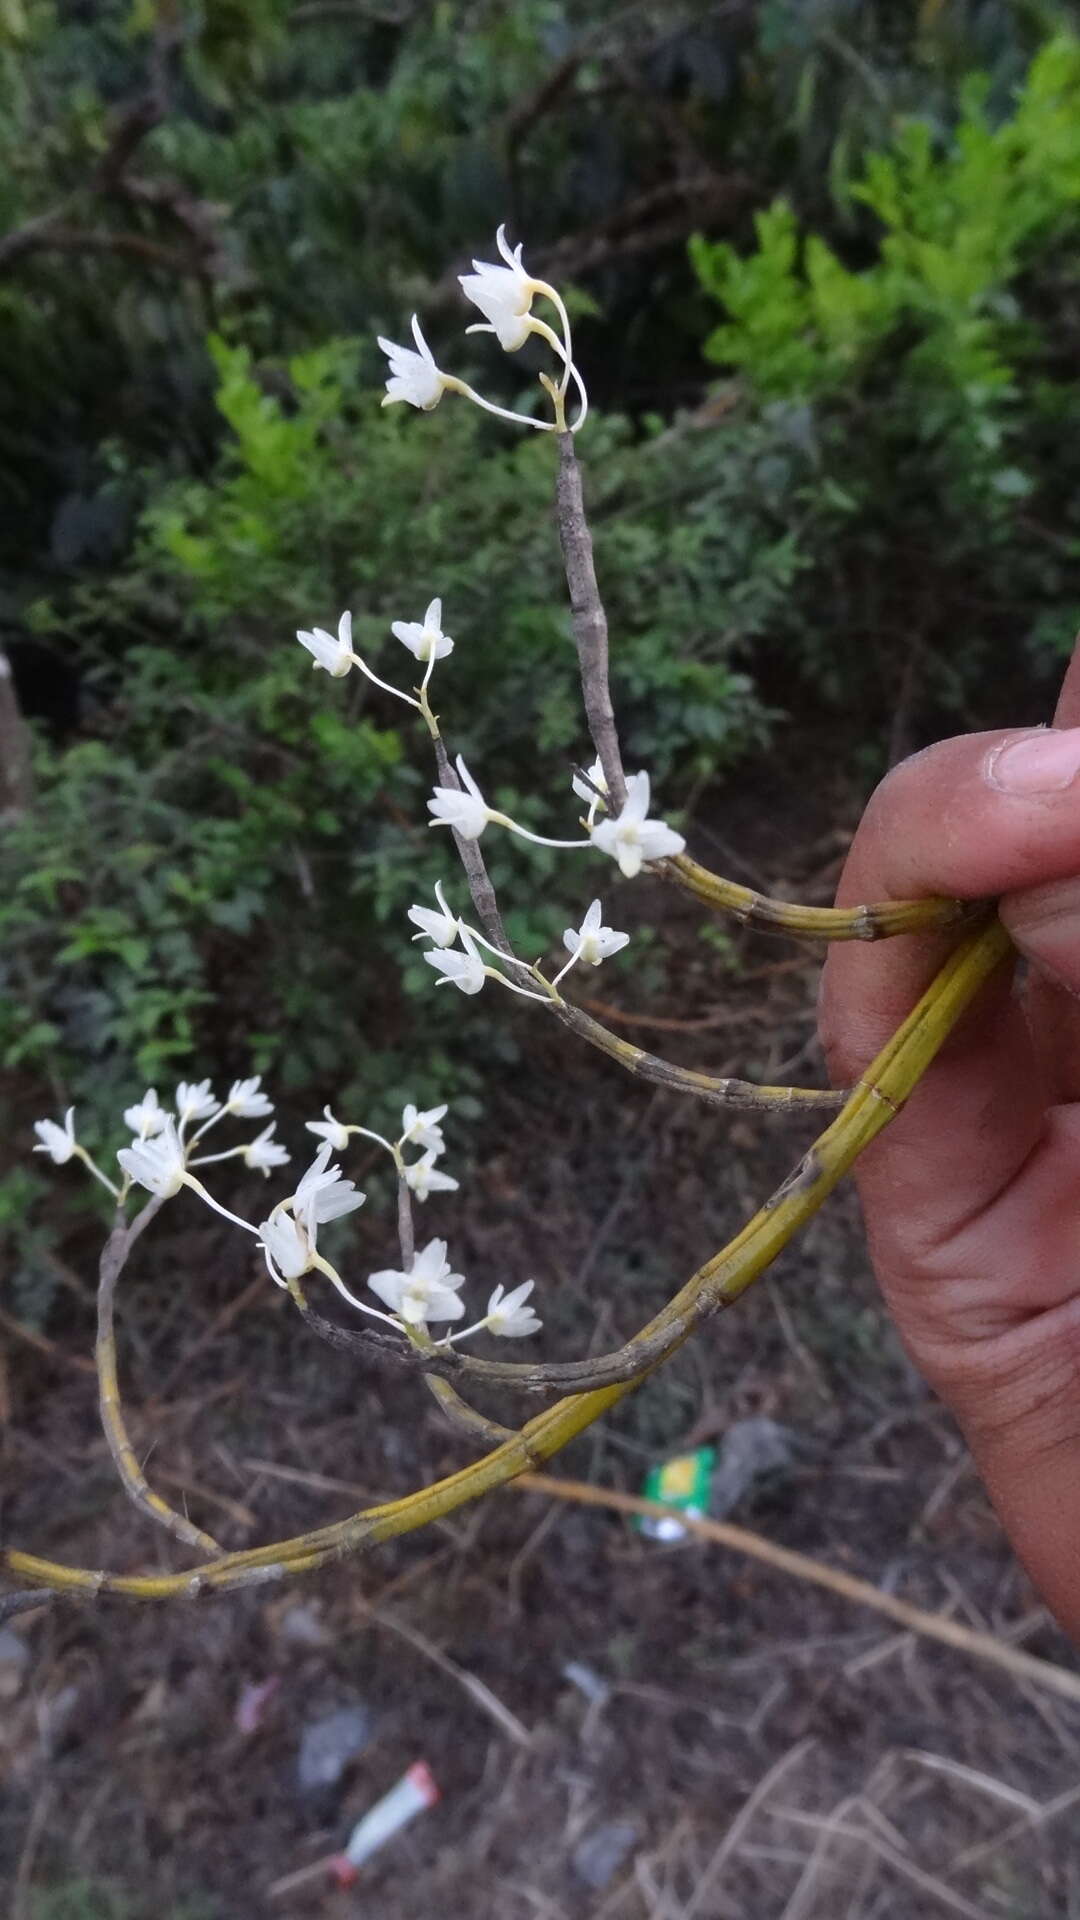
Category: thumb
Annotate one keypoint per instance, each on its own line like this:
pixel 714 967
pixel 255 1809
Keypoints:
pixel 1044 919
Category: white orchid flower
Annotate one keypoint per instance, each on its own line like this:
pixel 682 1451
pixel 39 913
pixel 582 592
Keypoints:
pixel 503 294
pixel 508 1316
pixel 424 1178
pixel 194 1101
pixel 414 377
pixel 592 788
pixel 465 810
pixel 323 1194
pixel 246 1101
pixel 464 970
pixel 585 785
pixel 147 1118
pixel 424 638
pixel 265 1152
pixel 334 656
pixel 289 1250
pixel 157 1163
pixel 427 1291
pixel 422 1129
pixel 630 838
pixel 330 1130
pixel 442 927
pixel 58 1142
pixel 61 1146
pixel 591 942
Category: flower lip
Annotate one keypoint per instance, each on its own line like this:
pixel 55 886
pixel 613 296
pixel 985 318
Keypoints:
pixel 58 1142
pixel 589 783
pixel 247 1101
pixel 424 638
pixel 265 1152
pixel 592 942
pixel 630 838
pixel 426 1291
pixel 422 1129
pixel 442 927
pixel 335 657
pixel 413 377
pixel 323 1194
pixel 508 1316
pixel 504 295
pixel 423 1177
pixel 463 809
pixel 465 970
pixel 286 1246
pixel 194 1100
pixel 330 1130
pixel 147 1117
pixel 156 1163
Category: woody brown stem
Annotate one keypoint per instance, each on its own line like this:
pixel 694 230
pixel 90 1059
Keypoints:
pixel 588 618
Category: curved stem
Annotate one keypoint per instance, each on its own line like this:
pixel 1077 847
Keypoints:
pixel 80 1153
pixel 332 1274
pixel 454 385
pixel 548 292
pixel 367 1134
pixel 504 820
pixel 563 971
pixel 211 1159
pixel 384 684
pixel 570 371
pixel 428 671
pixel 197 1187
pixel 206 1126
pixel 494 974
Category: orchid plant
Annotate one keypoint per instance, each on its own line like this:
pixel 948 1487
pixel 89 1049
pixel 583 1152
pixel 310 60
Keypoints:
pixel 414 1326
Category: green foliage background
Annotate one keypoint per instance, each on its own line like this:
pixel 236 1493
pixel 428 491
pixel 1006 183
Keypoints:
pixel 823 258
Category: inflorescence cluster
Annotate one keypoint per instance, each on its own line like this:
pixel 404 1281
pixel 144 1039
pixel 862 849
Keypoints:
pixel 163 1152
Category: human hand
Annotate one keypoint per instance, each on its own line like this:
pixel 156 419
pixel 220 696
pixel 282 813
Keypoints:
pixel 972 1195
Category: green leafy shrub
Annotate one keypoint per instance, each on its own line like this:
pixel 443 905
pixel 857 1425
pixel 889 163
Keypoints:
pixel 938 379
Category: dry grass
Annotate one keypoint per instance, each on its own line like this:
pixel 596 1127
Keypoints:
pixel 779 1756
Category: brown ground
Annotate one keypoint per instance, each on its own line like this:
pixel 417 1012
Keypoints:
pixel 777 1754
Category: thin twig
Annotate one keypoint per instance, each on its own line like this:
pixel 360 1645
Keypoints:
pixel 42 1344
pixel 35 1829
pixel 477 1690
pixel 750 1807
pixel 210 1333
pixel 932 1626
pixel 16 1603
